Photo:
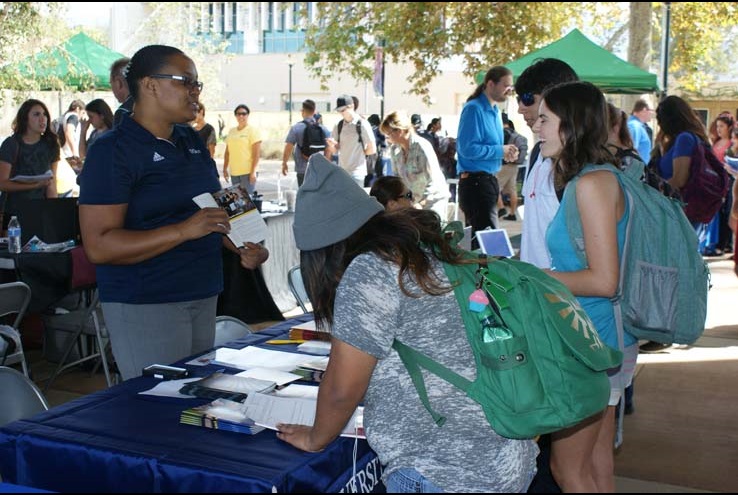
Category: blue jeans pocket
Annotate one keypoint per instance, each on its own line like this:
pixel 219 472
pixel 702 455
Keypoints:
pixel 408 480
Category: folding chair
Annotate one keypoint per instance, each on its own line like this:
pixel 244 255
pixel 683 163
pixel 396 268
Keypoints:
pixel 229 328
pixel 19 396
pixel 294 280
pixel 14 299
pixel 87 320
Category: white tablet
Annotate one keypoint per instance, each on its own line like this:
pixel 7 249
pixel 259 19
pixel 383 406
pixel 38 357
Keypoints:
pixel 495 242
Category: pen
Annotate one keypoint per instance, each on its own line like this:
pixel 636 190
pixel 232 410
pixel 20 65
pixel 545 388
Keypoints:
pixel 276 342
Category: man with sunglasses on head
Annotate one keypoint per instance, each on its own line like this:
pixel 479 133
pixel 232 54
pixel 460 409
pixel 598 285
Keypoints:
pixel 480 148
pixel 539 195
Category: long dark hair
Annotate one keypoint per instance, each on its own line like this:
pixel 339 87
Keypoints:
pixel 100 107
pixel 494 74
pixel 674 116
pixel 410 238
pixel 617 116
pixel 20 124
pixel 584 128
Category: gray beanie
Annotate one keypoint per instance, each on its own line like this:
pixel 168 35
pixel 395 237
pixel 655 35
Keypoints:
pixel 330 205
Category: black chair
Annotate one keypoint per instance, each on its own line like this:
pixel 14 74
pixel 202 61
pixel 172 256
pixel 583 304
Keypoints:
pixel 85 321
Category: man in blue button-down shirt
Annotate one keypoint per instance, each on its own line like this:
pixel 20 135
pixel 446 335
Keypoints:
pixel 637 126
pixel 481 149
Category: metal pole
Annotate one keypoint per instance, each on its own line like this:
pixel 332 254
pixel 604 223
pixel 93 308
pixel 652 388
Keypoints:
pixel 666 24
pixel 290 97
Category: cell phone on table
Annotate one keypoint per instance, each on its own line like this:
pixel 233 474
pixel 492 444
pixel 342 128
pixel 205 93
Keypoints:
pixel 164 372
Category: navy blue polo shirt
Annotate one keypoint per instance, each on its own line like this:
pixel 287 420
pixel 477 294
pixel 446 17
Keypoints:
pixel 157 179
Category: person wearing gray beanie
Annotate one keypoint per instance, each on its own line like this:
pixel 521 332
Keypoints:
pixel 374 276
pixel 330 205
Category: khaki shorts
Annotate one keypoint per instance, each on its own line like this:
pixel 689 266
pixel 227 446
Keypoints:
pixel 507 179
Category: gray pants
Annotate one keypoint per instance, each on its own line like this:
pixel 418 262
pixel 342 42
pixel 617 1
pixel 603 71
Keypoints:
pixel 244 181
pixel 144 334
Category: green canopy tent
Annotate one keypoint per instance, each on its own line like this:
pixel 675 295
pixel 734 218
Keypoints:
pixel 592 63
pixel 80 63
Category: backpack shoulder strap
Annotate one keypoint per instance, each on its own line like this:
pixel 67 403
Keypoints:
pixel 533 156
pixel 340 126
pixel 414 360
pixel 358 130
pixel 573 220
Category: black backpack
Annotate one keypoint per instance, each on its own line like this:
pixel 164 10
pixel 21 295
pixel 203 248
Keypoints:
pixel 313 139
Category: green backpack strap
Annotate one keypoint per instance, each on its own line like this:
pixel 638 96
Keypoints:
pixel 415 360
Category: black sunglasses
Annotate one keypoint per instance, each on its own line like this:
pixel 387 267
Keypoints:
pixel 526 99
pixel 242 113
pixel 407 195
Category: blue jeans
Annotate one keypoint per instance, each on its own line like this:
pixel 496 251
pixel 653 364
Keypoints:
pixel 244 181
pixel 408 480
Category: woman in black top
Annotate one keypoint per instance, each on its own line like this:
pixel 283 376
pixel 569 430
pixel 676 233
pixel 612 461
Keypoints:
pixel 32 149
pixel 205 130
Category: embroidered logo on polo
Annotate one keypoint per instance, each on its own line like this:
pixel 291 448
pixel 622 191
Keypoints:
pixel 194 151
pixel 157 157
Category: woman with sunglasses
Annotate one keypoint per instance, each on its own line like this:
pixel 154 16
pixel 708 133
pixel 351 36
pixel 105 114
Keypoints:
pixel 392 192
pixel 158 255
pixel 243 147
pixel 415 161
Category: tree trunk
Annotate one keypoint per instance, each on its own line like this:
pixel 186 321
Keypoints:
pixel 639 42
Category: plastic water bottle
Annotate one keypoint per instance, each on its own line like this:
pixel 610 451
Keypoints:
pixel 14 235
pixel 492 328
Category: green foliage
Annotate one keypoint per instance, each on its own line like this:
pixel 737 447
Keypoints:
pixel 424 34
pixel 483 34
pixel 697 36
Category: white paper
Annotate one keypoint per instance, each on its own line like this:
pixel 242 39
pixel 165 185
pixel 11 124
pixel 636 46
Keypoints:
pixel 270 375
pixel 256 357
pixel 33 178
pixel 299 391
pixel 170 388
pixel 318 347
pixel 246 222
pixel 270 410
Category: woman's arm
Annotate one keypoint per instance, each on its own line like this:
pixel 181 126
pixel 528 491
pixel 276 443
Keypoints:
pixel 342 389
pixel 226 159
pixel 680 176
pixel 107 242
pixel 51 191
pixel 255 155
pixel 9 186
pixel 601 204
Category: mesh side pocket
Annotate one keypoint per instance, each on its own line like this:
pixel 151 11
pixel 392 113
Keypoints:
pixel 652 298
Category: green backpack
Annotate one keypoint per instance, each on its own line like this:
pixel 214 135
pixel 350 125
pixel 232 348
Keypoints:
pixel 544 368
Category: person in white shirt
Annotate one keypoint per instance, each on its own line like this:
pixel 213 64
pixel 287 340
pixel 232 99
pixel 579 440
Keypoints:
pixel 539 195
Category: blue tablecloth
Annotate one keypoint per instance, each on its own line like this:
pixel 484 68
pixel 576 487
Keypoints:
pixel 118 441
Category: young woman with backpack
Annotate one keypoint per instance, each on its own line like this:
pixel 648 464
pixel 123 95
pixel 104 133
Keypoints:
pixel 373 276
pixel 573 127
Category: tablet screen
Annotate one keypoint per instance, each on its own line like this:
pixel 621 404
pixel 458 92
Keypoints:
pixel 495 242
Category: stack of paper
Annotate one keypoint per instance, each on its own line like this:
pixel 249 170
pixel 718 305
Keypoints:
pixel 271 410
pixel 221 414
pixel 308 331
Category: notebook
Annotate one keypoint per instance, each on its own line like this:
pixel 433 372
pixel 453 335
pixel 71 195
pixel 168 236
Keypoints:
pixel 495 242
